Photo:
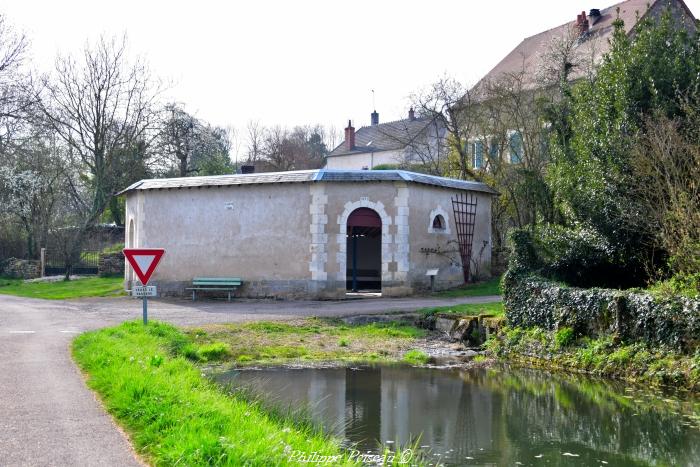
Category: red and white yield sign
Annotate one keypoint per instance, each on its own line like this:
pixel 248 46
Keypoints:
pixel 144 261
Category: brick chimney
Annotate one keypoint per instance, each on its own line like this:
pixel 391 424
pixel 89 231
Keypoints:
pixel 375 118
pixel 411 114
pixel 582 23
pixel 350 136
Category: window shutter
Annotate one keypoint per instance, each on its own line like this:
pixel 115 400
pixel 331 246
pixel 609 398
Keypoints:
pixel 516 147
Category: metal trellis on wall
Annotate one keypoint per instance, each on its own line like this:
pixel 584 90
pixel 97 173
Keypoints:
pixel 464 208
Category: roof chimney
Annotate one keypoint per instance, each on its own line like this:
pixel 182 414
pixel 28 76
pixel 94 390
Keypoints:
pixel 375 118
pixel 582 23
pixel 350 136
pixel 411 114
pixel 594 15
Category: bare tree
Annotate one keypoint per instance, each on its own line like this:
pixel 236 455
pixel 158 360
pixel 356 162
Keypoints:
pixel 178 135
pixel 452 107
pixel 31 187
pixel 255 141
pixel 424 141
pixel 666 171
pixel 99 103
pixel 15 101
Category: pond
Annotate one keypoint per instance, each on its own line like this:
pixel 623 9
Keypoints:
pixel 497 416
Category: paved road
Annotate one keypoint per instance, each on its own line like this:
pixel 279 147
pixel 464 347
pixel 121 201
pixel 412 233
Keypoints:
pixel 47 414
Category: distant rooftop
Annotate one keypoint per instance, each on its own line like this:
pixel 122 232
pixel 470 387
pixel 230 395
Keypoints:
pixel 384 136
pixel 309 176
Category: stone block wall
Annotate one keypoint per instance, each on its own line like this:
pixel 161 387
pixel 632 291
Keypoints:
pixel 22 268
pixel 110 264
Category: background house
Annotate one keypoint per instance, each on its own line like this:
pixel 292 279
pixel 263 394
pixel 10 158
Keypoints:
pixel 532 71
pixel 397 144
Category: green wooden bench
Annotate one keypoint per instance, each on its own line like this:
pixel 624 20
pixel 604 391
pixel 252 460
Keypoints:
pixel 215 283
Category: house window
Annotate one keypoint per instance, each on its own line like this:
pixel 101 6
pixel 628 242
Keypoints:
pixel 516 147
pixel 478 154
pixel 438 222
pixel 493 149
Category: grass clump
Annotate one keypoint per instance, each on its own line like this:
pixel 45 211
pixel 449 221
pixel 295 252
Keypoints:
pixel 214 351
pixel 467 309
pixel 61 290
pixel 479 289
pixel 416 357
pixel 177 417
pixel 564 337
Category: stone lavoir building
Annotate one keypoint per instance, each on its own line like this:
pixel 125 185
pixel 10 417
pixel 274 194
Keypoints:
pixel 312 234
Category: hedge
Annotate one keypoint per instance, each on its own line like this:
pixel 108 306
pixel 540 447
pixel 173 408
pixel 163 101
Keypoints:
pixel 530 299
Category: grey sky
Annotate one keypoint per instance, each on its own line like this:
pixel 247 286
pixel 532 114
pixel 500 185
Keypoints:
pixel 298 62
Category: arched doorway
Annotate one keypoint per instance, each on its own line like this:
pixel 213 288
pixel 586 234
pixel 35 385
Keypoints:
pixel 364 250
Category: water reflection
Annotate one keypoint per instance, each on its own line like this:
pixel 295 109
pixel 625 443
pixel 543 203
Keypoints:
pixel 496 417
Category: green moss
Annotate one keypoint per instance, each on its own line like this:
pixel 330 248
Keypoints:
pixel 605 356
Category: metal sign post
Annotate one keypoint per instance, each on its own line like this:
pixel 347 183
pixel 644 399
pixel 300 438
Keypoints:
pixel 145 291
pixel 145 310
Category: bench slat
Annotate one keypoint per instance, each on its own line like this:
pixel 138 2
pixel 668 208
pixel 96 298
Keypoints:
pixel 215 279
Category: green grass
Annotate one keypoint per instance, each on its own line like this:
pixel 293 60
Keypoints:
pixel 604 356
pixel 480 289
pixel 60 290
pixel 468 309
pixel 416 357
pixel 305 341
pixel 174 415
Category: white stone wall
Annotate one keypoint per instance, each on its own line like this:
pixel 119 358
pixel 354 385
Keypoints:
pixel 319 237
pixel 365 159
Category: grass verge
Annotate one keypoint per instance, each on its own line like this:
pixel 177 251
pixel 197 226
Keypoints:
pixel 603 356
pixel 480 289
pixel 61 290
pixel 468 309
pixel 177 417
pixel 310 340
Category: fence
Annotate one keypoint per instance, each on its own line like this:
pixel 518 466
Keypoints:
pixel 87 265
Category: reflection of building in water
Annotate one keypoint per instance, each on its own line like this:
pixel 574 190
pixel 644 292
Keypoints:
pixel 461 416
pixel 497 417
pixel 391 404
pixel 363 404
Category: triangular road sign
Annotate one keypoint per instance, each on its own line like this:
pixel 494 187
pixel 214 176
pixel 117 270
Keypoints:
pixel 144 261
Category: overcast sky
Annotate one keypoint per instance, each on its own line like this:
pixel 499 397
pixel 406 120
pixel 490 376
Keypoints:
pixel 297 62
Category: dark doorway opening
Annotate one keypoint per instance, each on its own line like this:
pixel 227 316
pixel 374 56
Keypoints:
pixel 364 250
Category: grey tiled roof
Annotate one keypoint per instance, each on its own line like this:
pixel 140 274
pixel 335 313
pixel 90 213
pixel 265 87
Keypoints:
pixel 309 176
pixel 384 137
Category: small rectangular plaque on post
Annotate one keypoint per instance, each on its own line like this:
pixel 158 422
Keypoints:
pixel 432 273
pixel 144 291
